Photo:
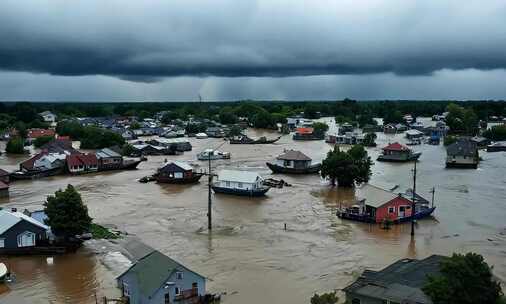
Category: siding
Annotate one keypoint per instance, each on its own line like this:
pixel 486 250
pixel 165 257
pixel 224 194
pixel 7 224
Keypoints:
pixel 382 212
pixel 11 236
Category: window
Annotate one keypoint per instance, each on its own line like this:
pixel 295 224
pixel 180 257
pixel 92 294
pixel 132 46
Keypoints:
pixel 26 239
pixel 179 275
pixel 227 184
pixel 391 209
pixel 126 290
pixel 287 163
pixel 355 301
pixel 177 291
pixel 2 243
pixel 239 185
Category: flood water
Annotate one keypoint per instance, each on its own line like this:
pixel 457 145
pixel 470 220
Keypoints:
pixel 248 254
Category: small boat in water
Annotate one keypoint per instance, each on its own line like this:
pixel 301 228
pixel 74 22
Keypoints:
pixel 242 183
pixel 294 162
pixel 398 153
pixel 497 147
pixel 177 172
pixel 210 154
pixel 245 140
pixel 4 272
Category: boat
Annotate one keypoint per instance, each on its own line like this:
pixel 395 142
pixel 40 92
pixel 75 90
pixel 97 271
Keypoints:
pixel 33 174
pixel 210 154
pixel 398 153
pixel 4 272
pixel 245 140
pixel 294 162
pixel 177 172
pixel 497 147
pixel 242 183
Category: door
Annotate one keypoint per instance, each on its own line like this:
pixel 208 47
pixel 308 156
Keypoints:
pixel 167 298
pixel 402 211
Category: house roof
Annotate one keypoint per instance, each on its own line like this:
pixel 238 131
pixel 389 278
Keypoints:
pixel 3 186
pixel 152 271
pixel 9 219
pixel 396 147
pixel 399 281
pixel 61 144
pixel 106 152
pixel 293 155
pixel 36 133
pixel 28 164
pixel 238 176
pixel 81 159
pixel 3 172
pixel 414 132
pixel 182 165
pixel 374 196
pixel 305 130
pixel 463 147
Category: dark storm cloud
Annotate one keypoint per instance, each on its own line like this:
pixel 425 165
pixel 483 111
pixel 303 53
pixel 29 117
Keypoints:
pixel 144 41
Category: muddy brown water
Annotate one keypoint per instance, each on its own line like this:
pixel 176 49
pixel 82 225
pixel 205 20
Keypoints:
pixel 248 254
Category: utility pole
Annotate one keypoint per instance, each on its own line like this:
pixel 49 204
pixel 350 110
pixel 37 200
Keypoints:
pixel 209 201
pixel 433 192
pixel 413 204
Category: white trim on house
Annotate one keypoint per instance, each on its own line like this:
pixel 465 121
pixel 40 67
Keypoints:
pixel 26 239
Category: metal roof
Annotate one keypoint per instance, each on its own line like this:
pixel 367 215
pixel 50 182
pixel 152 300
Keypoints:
pixel 183 165
pixel 106 152
pixel 9 219
pixel 293 155
pixel 238 176
pixel 373 195
pixel 462 147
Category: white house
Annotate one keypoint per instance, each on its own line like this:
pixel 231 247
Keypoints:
pixel 48 116
pixel 242 180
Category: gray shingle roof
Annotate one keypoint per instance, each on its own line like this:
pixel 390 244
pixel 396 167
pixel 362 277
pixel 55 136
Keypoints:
pixel 293 155
pixel 400 281
pixel 238 176
pixel 373 195
pixel 152 271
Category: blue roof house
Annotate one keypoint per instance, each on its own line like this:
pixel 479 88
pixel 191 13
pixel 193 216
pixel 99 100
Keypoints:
pixel 157 279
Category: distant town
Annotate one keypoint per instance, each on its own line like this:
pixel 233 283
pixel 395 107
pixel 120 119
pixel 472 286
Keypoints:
pixel 101 178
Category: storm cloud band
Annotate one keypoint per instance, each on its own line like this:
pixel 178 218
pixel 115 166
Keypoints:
pixel 145 41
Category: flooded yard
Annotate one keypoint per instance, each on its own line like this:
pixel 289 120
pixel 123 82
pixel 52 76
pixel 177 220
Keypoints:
pixel 248 254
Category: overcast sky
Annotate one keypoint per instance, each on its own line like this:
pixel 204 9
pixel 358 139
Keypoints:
pixel 167 50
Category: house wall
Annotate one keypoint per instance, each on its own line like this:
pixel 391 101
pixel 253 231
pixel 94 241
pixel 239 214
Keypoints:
pixel 159 296
pixel 461 160
pixel 363 299
pixel 382 211
pixel 11 236
pixel 235 185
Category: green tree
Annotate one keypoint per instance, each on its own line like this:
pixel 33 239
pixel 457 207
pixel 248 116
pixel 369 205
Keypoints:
pixel 264 120
pixel 227 116
pixel 325 298
pixel 463 279
pixel 496 133
pixel 15 145
pixel 135 125
pixel 235 130
pixel 347 168
pixel 66 214
pixel 319 129
pixel 39 142
pixel 127 149
pixel 393 116
pixel 370 140
pixel 449 139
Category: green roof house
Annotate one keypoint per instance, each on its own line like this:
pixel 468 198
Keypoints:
pixel 156 278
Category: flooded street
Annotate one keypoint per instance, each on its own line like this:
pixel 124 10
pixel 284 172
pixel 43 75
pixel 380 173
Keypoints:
pixel 248 254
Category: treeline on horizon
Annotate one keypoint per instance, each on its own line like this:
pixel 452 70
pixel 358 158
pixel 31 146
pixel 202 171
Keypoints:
pixel 27 111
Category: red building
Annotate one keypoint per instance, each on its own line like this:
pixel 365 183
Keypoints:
pixel 82 163
pixel 381 204
pixel 36 133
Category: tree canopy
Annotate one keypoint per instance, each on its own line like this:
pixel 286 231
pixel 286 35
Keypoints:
pixel 496 133
pixel 325 298
pixel 91 137
pixel 464 279
pixel 347 168
pixel 66 214
pixel 15 145
pixel 461 120
pixel 319 129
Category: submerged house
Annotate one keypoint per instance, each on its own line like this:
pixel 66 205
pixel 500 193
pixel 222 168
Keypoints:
pixel 397 152
pixel 306 133
pixel 20 232
pixel 238 182
pixel 292 161
pixel 82 163
pixel 109 159
pixel 462 154
pixel 177 172
pixel 401 282
pixel 33 134
pixel 156 279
